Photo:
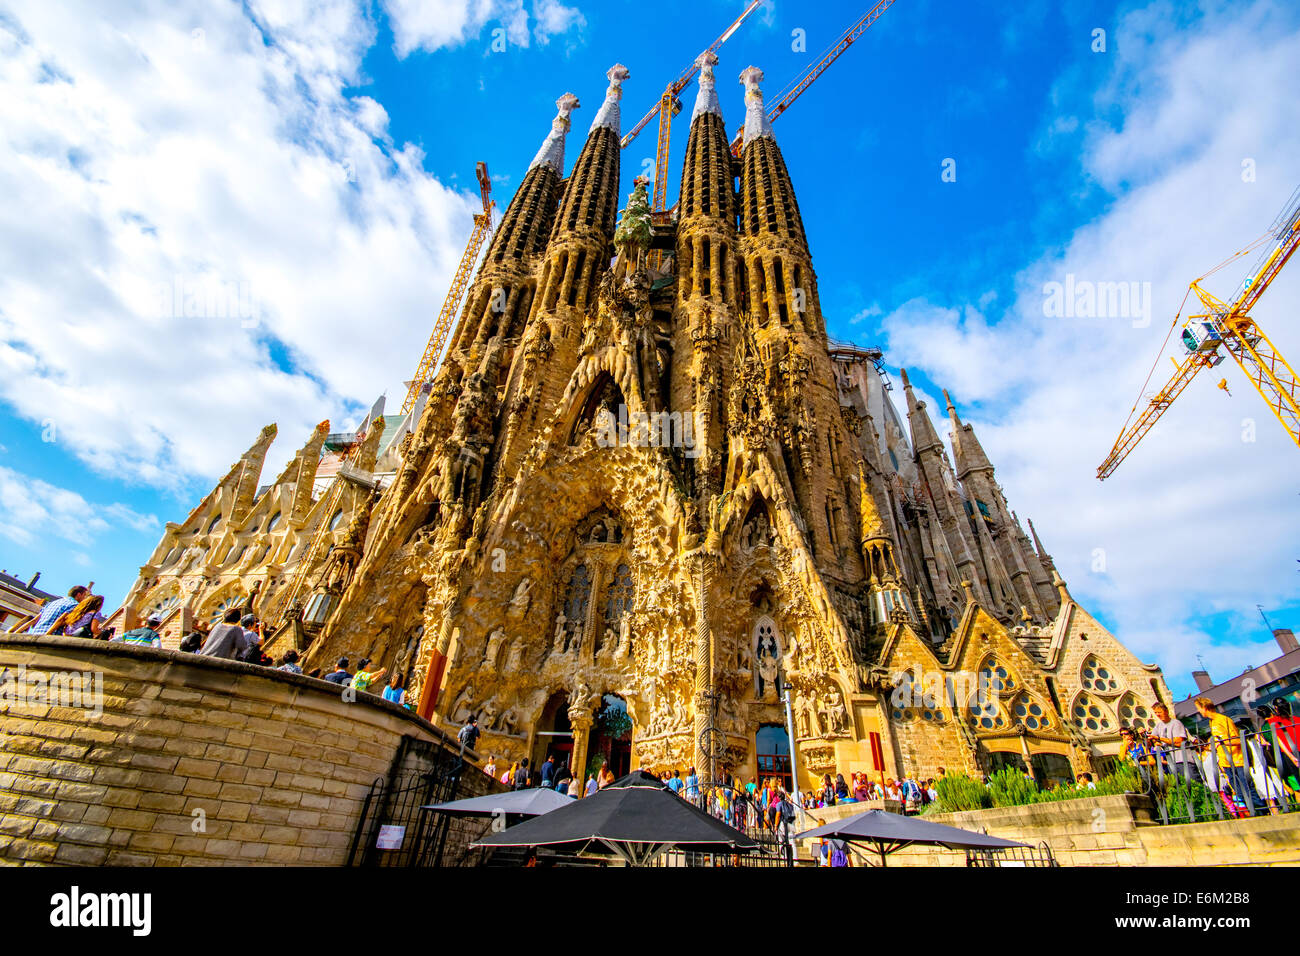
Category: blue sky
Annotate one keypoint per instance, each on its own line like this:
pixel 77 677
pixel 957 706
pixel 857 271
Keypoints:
pixel 320 156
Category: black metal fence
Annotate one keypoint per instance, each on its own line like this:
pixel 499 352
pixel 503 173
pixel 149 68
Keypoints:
pixel 393 830
pixel 1254 774
pixel 737 809
pixel 1016 856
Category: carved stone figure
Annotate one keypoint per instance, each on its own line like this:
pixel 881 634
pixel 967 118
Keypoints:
pixel 515 659
pixel 521 599
pixel 561 637
pixel 493 652
pixel 767 677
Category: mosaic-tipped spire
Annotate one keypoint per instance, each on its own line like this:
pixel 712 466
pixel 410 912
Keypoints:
pixel 757 124
pixel 609 115
pixel 552 152
pixel 706 100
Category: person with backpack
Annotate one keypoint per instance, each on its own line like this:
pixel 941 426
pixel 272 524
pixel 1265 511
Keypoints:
pixel 839 855
pixel 468 736
pixel 521 775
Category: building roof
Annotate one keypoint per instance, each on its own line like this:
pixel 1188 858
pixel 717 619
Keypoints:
pixel 15 584
pixel 1256 677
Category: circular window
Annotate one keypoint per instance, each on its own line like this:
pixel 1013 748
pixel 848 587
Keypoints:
pixel 997 677
pixel 163 606
pixel 226 604
pixel 1097 677
pixel 1089 715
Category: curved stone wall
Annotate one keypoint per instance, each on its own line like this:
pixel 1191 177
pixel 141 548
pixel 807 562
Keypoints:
pixel 121 755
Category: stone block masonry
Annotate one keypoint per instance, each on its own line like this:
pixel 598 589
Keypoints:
pixel 183 760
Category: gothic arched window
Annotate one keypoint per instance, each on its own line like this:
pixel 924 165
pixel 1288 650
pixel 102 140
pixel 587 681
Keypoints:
pixel 1029 712
pixel 618 599
pixel 1098 677
pixel 576 598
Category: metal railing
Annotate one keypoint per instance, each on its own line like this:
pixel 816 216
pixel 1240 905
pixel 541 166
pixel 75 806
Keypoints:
pixel 1254 774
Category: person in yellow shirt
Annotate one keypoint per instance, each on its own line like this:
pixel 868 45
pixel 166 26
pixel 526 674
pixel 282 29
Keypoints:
pixel 1223 733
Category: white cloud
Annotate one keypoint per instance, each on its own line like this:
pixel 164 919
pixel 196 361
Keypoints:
pixel 32 510
pixel 191 145
pixel 1196 521
pixel 555 19
pixel 430 25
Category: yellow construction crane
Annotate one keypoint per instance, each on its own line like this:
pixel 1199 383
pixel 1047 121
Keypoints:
pixel 669 106
pixel 1228 328
pixel 810 75
pixel 451 305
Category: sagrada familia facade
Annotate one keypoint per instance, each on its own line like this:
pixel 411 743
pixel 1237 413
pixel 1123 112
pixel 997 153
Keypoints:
pixel 647 504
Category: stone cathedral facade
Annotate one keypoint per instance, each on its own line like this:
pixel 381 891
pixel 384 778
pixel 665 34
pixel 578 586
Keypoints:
pixel 647 501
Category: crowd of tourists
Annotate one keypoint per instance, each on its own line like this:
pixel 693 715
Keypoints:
pixel 550 773
pixel 1250 770
pixel 238 637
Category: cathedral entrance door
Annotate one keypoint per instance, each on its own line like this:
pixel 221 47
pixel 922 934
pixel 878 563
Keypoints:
pixel 611 737
pixel 772 748
pixel 554 732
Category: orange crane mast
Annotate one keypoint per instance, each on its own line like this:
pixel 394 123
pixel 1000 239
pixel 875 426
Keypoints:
pixel 1230 328
pixel 460 282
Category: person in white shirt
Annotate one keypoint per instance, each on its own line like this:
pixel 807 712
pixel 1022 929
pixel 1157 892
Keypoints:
pixel 1170 738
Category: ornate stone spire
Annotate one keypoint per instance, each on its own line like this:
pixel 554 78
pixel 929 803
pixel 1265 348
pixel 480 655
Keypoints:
pixel 756 121
pixel 923 434
pixel 552 152
pixel 872 525
pixel 968 455
pixel 609 115
pixel 706 100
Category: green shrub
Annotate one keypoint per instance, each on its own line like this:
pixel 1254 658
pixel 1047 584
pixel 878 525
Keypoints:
pixel 1125 779
pixel 960 792
pixel 1179 792
pixel 1011 788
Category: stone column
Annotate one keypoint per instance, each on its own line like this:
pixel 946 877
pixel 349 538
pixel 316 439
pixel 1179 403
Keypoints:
pixel 581 740
pixel 704 684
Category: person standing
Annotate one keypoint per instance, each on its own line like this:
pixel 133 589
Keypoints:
pixel 396 693
pixel 675 782
pixel 146 636
pixel 363 678
pixel 84 619
pixel 289 662
pixel 520 781
pixel 1169 736
pixel 548 771
pixel 490 768
pixel 468 735
pixel 592 787
pixel 575 787
pixel 1223 733
pixel 57 607
pixel 227 640
pixel 340 674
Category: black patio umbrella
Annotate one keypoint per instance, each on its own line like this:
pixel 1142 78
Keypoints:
pixel 636 817
pixel 524 803
pixel 888 832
